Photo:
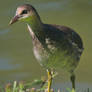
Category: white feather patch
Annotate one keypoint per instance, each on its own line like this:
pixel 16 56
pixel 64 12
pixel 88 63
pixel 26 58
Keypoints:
pixel 30 30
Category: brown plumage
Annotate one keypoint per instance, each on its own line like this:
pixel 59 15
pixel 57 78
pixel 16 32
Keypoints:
pixel 58 38
pixel 54 46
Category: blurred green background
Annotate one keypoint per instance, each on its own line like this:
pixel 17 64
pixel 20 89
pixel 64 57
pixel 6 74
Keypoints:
pixel 17 61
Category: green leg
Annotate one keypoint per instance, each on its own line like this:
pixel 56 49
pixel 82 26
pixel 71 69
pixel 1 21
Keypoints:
pixel 73 82
pixel 49 80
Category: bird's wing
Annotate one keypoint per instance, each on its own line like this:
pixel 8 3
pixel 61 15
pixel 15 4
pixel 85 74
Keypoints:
pixel 62 38
pixel 62 32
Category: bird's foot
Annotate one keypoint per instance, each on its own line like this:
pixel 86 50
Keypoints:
pixel 73 90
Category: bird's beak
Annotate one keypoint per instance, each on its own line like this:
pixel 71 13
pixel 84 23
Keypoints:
pixel 14 19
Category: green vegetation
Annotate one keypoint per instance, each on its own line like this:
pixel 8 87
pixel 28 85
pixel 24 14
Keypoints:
pixel 32 87
pixel 25 86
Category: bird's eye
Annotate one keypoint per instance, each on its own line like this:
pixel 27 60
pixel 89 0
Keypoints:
pixel 24 12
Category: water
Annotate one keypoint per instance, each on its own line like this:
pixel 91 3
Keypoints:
pixel 17 61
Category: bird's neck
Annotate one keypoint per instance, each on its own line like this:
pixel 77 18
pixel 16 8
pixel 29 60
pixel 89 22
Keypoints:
pixel 36 26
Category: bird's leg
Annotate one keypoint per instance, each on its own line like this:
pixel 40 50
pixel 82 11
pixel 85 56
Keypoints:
pixel 73 82
pixel 49 80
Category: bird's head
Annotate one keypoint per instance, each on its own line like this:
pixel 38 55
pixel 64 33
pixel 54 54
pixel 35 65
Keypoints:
pixel 25 12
